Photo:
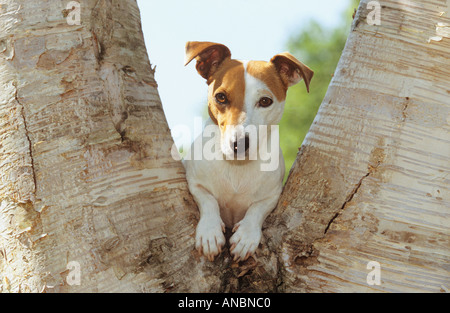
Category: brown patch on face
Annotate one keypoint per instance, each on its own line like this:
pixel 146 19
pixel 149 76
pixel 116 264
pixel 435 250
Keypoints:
pixel 267 73
pixel 229 80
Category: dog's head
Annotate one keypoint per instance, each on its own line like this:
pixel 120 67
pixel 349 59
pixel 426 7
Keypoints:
pixel 243 93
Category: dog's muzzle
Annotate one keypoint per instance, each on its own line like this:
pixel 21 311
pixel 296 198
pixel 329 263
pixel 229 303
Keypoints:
pixel 241 146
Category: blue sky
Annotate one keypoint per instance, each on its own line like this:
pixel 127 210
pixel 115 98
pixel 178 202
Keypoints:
pixel 252 29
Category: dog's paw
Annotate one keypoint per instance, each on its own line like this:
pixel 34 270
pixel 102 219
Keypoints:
pixel 209 238
pixel 245 240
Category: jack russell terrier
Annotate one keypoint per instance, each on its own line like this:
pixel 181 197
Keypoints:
pixel 230 186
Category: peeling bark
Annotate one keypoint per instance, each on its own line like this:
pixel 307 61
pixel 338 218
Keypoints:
pixel 86 171
pixel 370 182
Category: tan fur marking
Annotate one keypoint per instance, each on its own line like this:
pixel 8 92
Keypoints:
pixel 230 80
pixel 267 73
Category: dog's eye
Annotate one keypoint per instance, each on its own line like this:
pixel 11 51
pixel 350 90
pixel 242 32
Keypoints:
pixel 221 98
pixel 265 102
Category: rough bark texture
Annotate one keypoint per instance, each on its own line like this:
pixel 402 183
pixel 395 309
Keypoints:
pixel 86 169
pixel 87 175
pixel 371 181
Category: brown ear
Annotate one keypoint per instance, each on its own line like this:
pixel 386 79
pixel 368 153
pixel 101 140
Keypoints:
pixel 209 56
pixel 292 70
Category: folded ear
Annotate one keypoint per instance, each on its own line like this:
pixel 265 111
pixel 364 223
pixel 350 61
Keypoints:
pixel 292 70
pixel 209 56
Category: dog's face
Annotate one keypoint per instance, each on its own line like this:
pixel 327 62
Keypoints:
pixel 243 95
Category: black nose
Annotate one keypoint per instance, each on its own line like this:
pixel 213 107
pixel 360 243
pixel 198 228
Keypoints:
pixel 241 143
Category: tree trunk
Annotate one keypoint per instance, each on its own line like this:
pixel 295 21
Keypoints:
pixel 88 183
pixel 371 181
pixel 86 170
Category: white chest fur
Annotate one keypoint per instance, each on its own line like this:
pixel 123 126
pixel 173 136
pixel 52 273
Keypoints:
pixel 235 185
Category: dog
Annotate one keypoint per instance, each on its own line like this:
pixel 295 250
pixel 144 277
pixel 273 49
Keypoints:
pixel 230 188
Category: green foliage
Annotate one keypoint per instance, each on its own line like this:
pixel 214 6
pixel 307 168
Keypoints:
pixel 319 48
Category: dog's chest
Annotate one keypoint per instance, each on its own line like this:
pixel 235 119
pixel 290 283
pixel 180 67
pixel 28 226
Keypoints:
pixel 235 189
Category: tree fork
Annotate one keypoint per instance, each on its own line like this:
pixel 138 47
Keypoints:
pixel 102 189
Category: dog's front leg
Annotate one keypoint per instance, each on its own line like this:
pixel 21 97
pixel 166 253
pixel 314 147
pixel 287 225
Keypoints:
pixel 247 232
pixel 209 238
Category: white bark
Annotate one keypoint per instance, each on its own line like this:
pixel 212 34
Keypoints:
pixel 86 173
pixel 371 182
